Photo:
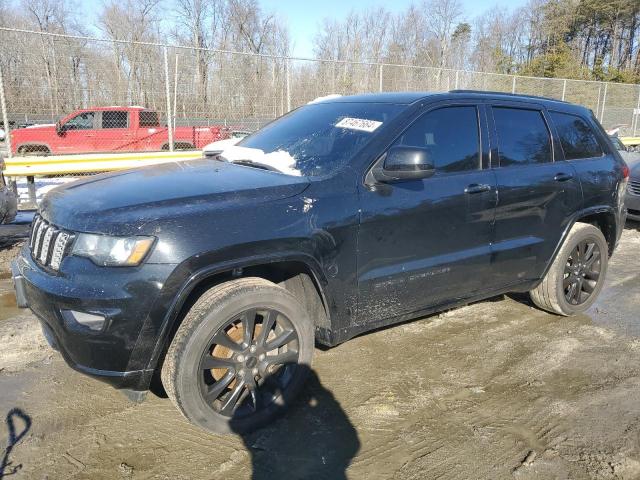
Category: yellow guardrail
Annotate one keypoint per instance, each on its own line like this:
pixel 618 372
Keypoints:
pixel 97 162
pixel 627 141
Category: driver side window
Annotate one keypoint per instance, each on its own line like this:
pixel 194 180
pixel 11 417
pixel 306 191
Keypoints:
pixel 82 121
pixel 449 135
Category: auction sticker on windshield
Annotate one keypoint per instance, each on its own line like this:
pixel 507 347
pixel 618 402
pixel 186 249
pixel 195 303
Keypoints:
pixel 361 124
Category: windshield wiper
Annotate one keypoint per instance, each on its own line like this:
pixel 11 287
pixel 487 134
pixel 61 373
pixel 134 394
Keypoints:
pixel 254 164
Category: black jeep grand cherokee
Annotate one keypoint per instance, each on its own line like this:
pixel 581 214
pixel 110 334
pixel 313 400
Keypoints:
pixel 340 217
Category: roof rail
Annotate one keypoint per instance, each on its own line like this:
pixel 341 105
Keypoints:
pixel 520 95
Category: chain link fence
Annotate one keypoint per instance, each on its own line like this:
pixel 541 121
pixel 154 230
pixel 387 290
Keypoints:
pixel 173 97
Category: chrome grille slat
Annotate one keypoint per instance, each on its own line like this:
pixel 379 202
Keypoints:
pixel 634 188
pixel 36 245
pixel 48 244
pixel 34 227
pixel 59 248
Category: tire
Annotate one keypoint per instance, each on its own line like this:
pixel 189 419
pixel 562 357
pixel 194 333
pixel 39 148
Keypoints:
pixel 200 360
pixel 576 275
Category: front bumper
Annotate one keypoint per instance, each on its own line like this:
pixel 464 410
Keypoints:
pixel 632 202
pixel 119 352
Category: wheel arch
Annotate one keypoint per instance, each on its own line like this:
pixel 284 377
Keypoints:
pixel 186 143
pixel 40 145
pixel 298 273
pixel 603 217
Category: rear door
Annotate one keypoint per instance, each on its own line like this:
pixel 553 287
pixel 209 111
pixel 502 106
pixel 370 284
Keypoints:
pixel 586 150
pixel 147 134
pixel 114 134
pixel 426 242
pixel 537 192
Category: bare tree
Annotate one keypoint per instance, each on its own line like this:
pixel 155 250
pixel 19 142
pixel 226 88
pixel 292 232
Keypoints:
pixel 197 18
pixel 442 17
pixel 133 21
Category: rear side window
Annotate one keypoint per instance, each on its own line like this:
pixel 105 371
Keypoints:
pixel 115 119
pixel 149 119
pixel 576 137
pixel 450 135
pixel 523 137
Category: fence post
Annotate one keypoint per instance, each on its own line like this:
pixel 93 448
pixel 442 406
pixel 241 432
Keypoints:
pixel 513 85
pixel 5 119
pixel 168 95
pixel 604 101
pixel 175 94
pixel 635 114
pixel 456 85
pixel 564 88
pixel 380 78
pixel 288 83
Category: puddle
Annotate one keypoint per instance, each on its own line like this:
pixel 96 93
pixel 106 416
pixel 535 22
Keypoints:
pixel 8 300
pixel 8 306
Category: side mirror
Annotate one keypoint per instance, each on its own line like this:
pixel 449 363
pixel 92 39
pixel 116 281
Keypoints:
pixel 405 163
pixel 59 128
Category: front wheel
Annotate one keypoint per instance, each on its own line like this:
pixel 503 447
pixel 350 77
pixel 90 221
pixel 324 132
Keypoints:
pixel 240 356
pixel 577 274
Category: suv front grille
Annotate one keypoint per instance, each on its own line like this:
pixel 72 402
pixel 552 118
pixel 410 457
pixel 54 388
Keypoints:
pixel 634 187
pixel 48 244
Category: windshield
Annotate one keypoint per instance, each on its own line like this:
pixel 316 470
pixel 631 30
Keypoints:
pixel 316 139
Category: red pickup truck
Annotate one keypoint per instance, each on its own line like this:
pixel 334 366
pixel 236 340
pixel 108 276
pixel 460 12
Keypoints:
pixel 110 129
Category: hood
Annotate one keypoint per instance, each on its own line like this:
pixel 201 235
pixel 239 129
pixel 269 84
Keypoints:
pixel 635 170
pixel 632 159
pixel 104 203
pixel 49 127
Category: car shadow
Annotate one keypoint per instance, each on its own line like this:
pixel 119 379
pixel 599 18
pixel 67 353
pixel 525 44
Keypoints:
pixel 632 225
pixel 17 431
pixel 314 439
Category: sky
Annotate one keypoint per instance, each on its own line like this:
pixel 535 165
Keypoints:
pixel 304 16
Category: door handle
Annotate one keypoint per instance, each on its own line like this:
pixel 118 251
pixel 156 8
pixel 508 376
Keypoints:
pixel 477 188
pixel 563 177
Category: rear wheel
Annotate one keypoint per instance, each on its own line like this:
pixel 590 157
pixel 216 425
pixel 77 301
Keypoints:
pixel 577 274
pixel 240 356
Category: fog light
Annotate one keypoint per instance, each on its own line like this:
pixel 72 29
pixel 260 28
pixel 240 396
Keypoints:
pixel 89 320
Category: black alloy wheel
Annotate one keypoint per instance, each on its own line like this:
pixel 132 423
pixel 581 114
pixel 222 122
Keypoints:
pixel 249 362
pixel 582 272
pixel 577 274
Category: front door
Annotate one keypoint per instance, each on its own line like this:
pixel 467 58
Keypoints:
pixel 79 134
pixel 425 242
pixel 537 195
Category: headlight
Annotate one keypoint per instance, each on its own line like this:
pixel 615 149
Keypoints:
pixel 112 251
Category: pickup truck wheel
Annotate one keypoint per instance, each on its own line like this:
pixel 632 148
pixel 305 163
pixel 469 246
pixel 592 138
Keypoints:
pixel 577 274
pixel 240 356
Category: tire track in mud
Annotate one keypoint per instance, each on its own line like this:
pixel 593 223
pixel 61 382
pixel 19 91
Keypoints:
pixel 161 441
pixel 464 412
pixel 466 394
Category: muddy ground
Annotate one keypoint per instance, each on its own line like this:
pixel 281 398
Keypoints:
pixel 497 389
